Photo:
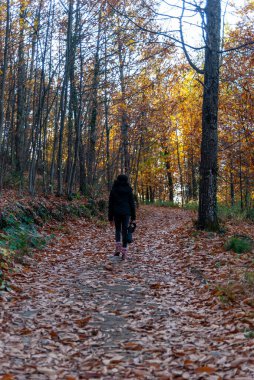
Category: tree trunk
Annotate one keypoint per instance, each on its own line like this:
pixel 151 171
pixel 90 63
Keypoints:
pixel 125 158
pixel 180 169
pixel 76 106
pixel 232 187
pixel 106 112
pixel 207 218
pixel 19 137
pixel 63 102
pixel 4 70
pixel 2 88
pixel 94 111
pixel 169 177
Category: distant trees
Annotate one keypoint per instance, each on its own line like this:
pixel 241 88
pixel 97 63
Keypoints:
pixel 92 89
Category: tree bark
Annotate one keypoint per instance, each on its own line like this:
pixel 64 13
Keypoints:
pixel 207 217
pixel 94 112
pixel 169 177
pixel 19 137
pixel 4 70
pixel 76 105
pixel 125 158
pixel 63 101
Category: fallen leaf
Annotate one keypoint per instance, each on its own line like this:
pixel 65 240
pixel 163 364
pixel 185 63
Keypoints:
pixel 205 369
pixel 133 346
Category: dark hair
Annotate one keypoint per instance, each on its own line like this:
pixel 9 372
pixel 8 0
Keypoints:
pixel 122 180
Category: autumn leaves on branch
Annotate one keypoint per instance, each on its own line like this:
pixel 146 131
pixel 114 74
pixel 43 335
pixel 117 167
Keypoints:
pixel 91 89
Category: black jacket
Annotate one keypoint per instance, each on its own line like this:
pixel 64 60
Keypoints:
pixel 121 202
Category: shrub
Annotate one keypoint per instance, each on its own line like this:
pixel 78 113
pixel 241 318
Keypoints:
pixel 239 244
pixel 249 278
pixel 235 212
pixel 249 334
pixel 250 214
pixel 21 238
pixel 161 203
pixel 231 212
pixel 192 206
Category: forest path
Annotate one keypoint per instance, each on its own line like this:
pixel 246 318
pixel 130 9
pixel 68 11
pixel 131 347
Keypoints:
pixel 80 313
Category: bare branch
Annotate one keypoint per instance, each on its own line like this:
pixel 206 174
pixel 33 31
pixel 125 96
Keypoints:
pixel 192 64
pixel 152 31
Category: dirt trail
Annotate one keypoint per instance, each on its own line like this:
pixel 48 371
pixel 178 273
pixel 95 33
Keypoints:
pixel 80 313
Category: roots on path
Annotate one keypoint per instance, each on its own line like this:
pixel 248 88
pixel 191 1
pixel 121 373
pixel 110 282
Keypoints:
pixel 80 313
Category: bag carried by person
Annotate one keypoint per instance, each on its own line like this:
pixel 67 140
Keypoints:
pixel 130 231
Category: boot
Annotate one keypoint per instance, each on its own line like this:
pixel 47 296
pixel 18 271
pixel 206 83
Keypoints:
pixel 124 253
pixel 118 248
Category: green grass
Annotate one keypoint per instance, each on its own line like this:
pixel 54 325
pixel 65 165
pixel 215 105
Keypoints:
pixel 249 278
pixel 21 238
pixel 225 212
pixel 226 293
pixel 235 212
pixel 250 214
pixel 249 334
pixel 160 203
pixel 239 244
pixel 192 206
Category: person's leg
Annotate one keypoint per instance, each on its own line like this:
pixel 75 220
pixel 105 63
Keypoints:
pixel 125 224
pixel 118 225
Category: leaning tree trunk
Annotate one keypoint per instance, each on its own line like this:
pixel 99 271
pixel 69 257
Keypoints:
pixel 207 218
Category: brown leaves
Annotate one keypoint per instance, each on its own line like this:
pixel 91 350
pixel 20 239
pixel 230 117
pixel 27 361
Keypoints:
pixel 157 286
pixel 83 314
pixel 133 346
pixel 205 369
pixel 54 335
pixel 7 376
pixel 83 322
pixel 25 331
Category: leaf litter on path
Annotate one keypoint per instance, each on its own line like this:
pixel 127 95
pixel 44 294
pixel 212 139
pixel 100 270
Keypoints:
pixel 80 313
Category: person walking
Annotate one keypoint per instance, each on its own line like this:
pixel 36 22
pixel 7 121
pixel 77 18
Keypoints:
pixel 121 210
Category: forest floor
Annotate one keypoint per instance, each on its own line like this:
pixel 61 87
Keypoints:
pixel 179 308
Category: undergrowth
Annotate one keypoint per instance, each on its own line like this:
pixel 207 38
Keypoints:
pixel 225 212
pixel 161 203
pixel 18 239
pixel 20 222
pixel 239 244
pixel 235 212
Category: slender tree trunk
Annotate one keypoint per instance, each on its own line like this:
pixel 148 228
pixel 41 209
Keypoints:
pixel 70 141
pixel 169 177
pixel 240 173
pixel 140 146
pixel 94 112
pixel 247 191
pixel 2 89
pixel 106 111
pixel 207 218
pixel 54 149
pixel 63 101
pixel 19 137
pixel 125 158
pixel 232 187
pixel 180 169
pixel 4 71
pixel 82 168
pixel 194 179
pixel 76 106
